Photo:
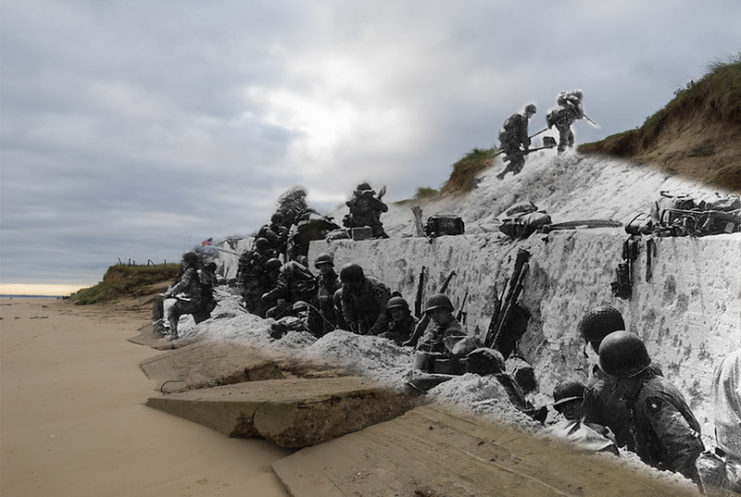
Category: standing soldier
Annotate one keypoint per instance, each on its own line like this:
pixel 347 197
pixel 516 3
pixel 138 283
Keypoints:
pixel 569 108
pixel 513 135
pixel 363 300
pixel 666 433
pixel 602 402
pixel 365 210
pixel 328 283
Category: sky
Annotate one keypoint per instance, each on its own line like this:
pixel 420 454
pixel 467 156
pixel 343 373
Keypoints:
pixel 133 130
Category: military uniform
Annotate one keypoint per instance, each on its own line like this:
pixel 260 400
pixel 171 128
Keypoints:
pixel 432 339
pixel 276 234
pixel 569 109
pixel 398 331
pixel 604 406
pixel 189 299
pixel 295 282
pixel 251 276
pixel 363 309
pixel 365 210
pixel 327 284
pixel 727 404
pixel 666 433
pixel 512 135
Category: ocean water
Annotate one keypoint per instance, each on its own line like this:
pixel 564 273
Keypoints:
pixel 14 296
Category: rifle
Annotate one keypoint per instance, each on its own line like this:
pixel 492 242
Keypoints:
pixel 590 121
pixel 546 144
pixel 420 292
pixel 539 132
pixel 461 313
pixel 492 329
pixel 514 288
pixel 422 325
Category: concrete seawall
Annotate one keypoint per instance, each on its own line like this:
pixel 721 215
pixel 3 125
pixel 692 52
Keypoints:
pixel 689 313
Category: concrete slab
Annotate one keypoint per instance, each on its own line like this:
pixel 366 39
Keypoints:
pixel 149 338
pixel 209 364
pixel 430 452
pixel 295 412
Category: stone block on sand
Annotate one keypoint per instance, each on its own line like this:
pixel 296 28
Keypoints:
pixel 292 412
pixel 210 363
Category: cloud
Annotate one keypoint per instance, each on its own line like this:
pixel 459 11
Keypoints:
pixel 133 129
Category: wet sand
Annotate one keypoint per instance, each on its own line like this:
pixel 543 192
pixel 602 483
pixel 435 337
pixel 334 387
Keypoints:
pixel 73 420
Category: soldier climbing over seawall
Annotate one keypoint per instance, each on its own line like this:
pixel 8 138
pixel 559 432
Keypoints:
pixel 512 136
pixel 365 210
pixel 569 108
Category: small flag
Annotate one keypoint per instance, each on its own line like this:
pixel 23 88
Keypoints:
pixel 207 242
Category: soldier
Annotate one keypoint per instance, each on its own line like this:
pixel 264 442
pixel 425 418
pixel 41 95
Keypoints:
pixel 251 272
pixel 291 205
pixel 328 283
pixel 186 297
pixel 337 300
pixel 398 321
pixel 295 282
pixel 365 210
pixel 440 310
pixel 266 282
pixel 568 397
pixel 302 317
pixel 513 135
pixel 208 278
pixel 363 300
pixel 602 402
pixel 666 433
pixel 276 233
pixel 569 108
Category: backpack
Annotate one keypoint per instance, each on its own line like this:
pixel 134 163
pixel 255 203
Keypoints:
pixel 524 224
pixel 664 210
pixel 444 224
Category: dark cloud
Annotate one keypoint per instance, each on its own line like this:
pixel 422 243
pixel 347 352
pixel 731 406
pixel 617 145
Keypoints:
pixel 136 129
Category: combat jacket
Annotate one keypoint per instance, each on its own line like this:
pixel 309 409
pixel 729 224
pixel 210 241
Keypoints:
pixel 666 433
pixel 295 283
pixel 189 287
pixel 514 133
pixel 432 340
pixel 398 331
pixel 604 406
pixel 364 309
pixel 727 404
pixel 276 234
pixel 365 210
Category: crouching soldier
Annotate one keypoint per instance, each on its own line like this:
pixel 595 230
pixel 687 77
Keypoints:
pixel 363 300
pixel 666 433
pixel 568 397
pixel 440 310
pixel 186 297
pixel 328 282
pixel 301 317
pixel 295 282
pixel 514 135
pixel 398 321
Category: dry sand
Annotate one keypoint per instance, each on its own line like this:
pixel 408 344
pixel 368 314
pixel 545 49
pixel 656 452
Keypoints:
pixel 73 422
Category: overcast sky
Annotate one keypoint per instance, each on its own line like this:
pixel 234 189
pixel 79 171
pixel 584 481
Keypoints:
pixel 136 129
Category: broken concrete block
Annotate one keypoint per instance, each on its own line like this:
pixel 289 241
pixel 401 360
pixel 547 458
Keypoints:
pixel 209 364
pixel 293 412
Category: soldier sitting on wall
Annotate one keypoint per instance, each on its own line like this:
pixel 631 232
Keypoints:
pixel 365 210
pixel 186 297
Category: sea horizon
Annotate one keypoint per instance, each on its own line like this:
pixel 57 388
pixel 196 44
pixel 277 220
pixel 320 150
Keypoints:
pixel 24 296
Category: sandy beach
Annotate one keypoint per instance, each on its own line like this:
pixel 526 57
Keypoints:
pixel 73 420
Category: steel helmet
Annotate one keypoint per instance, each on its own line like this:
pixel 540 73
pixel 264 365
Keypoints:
pixel 397 303
pixel 530 109
pixel 599 323
pixel 323 259
pixel 363 186
pixel 299 305
pixel 190 258
pixel 262 244
pixel 439 301
pixel 273 264
pixel 277 218
pixel 623 355
pixel 568 391
pixel 352 272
